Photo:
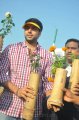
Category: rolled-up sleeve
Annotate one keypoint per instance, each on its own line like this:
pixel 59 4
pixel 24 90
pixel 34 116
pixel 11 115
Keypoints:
pixel 4 66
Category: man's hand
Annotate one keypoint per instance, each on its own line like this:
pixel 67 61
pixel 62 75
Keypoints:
pixel 70 97
pixel 51 106
pixel 76 89
pixel 26 92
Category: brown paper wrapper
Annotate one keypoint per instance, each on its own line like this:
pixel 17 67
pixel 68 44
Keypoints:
pixel 1 43
pixel 29 107
pixel 56 97
pixel 74 77
pixel 1 90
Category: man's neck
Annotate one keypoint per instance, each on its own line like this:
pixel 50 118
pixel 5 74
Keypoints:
pixel 70 62
pixel 31 46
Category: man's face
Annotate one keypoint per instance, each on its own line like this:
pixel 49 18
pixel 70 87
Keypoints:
pixel 31 33
pixel 72 48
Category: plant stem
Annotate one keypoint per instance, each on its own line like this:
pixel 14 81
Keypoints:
pixel 55 36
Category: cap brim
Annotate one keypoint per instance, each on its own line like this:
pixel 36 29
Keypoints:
pixel 31 23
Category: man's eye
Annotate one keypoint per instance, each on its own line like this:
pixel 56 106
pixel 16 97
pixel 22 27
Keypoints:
pixel 27 27
pixel 73 48
pixel 34 28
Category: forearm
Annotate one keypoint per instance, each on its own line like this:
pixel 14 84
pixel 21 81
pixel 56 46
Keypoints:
pixel 24 92
pixel 13 88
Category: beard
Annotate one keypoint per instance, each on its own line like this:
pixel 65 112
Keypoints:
pixel 30 41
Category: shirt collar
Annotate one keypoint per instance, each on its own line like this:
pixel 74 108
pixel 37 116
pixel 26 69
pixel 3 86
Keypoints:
pixel 25 46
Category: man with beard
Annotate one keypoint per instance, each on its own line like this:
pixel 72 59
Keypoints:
pixel 16 68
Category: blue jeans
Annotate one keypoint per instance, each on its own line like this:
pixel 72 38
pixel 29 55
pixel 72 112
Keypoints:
pixel 6 117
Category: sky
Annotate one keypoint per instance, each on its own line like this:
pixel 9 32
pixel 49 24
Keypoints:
pixel 54 14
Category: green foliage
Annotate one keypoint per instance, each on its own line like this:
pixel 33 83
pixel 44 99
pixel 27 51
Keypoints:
pixel 59 62
pixel 74 57
pixel 7 24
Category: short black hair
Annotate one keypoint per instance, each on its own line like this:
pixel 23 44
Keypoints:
pixel 34 20
pixel 72 40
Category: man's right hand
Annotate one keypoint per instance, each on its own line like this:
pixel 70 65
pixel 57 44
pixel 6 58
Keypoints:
pixel 26 92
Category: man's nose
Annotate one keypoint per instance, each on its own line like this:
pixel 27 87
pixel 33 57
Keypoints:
pixel 69 50
pixel 30 29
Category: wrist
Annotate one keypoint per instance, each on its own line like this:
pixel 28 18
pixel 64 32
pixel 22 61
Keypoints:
pixel 17 91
